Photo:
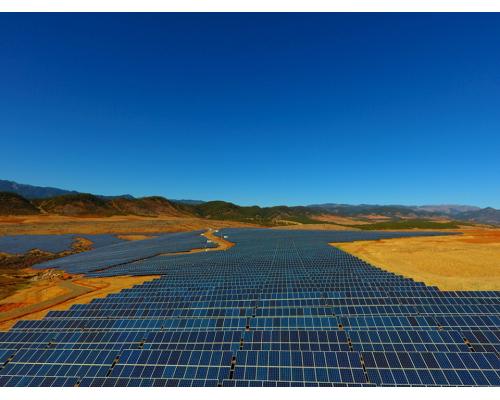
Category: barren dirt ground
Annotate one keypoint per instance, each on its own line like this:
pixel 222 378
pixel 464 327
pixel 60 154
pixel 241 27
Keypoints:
pixel 135 237
pixel 55 224
pixel 463 262
pixel 59 293
pixel 339 220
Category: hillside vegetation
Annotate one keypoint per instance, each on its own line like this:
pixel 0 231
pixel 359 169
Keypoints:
pixel 343 216
pixel 279 215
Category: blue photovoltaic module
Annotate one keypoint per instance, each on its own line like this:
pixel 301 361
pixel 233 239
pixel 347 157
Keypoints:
pixel 20 244
pixel 280 308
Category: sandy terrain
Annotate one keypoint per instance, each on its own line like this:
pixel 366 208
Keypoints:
pixel 58 291
pixel 222 243
pixel 16 272
pixel 464 262
pixel 376 218
pixel 135 237
pixel 339 220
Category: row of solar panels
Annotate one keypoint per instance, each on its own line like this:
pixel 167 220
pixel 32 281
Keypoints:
pixel 253 252
pixel 20 244
pixel 127 252
pixel 407 340
pixel 398 368
pixel 262 313
pixel 187 312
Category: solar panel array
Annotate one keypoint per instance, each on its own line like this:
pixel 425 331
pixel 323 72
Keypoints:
pixel 280 308
pixel 20 244
pixel 128 251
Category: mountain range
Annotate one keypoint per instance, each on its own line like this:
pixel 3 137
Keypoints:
pixel 21 199
pixel 42 192
pixel 451 210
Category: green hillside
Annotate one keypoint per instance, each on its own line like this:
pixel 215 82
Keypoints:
pixel 278 215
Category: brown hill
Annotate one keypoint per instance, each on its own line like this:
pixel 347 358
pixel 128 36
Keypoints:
pixel 13 204
pixel 76 205
pixel 148 206
pixel 86 205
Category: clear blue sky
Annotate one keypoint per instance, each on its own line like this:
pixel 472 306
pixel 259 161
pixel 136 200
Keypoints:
pixel 255 108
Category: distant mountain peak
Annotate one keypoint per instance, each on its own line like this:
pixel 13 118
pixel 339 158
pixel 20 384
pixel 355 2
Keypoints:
pixel 188 201
pixel 448 208
pixel 31 192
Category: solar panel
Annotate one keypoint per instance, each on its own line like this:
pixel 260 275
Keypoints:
pixel 280 308
pixel 20 244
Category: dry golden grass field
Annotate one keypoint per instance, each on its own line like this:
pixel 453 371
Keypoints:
pixel 335 219
pixel 470 261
